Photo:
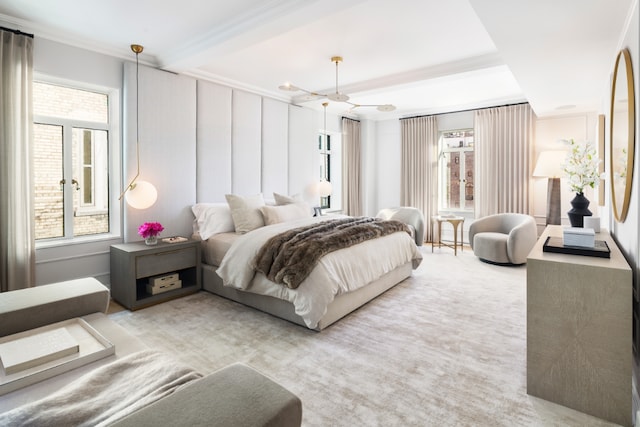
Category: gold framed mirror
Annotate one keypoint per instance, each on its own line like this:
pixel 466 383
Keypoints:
pixel 622 135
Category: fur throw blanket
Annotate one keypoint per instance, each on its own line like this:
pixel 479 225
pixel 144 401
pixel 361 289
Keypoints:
pixel 289 257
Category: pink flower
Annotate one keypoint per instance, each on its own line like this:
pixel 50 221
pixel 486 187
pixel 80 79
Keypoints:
pixel 150 229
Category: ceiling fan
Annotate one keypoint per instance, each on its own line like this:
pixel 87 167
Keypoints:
pixel 336 96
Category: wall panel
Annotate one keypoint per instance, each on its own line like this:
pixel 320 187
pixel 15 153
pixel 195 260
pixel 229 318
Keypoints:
pixel 213 162
pixel 167 129
pixel 303 154
pixel 246 148
pixel 275 154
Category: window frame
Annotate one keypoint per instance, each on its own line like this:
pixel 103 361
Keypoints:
pixel 443 149
pixel 333 170
pixel 114 158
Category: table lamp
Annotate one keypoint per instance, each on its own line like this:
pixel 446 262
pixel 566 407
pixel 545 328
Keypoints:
pixel 549 165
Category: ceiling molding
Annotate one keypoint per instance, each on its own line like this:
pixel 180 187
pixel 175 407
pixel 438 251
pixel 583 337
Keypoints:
pixel 63 37
pixel 234 84
pixel 242 24
pixel 271 19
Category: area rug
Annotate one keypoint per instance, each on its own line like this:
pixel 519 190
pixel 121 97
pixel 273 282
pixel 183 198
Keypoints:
pixel 446 347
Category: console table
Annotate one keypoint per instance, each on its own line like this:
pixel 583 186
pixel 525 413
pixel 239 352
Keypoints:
pixel 579 330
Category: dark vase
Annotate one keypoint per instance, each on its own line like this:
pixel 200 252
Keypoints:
pixel 580 209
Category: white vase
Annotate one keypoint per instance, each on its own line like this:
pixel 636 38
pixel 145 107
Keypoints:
pixel 151 240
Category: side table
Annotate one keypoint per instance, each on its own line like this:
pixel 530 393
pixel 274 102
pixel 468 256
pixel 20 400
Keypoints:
pixel 455 221
pixel 132 264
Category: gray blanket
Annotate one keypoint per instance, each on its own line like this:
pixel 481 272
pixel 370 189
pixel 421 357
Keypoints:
pixel 106 394
pixel 289 257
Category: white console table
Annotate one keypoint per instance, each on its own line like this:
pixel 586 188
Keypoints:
pixel 579 330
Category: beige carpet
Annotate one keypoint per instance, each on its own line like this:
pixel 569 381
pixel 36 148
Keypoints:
pixel 446 347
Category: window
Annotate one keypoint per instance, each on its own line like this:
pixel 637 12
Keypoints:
pixel 71 161
pixel 330 169
pixel 324 146
pixel 456 170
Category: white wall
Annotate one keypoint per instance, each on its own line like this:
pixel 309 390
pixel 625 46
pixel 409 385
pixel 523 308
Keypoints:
pixel 233 128
pixel 388 157
pixel 167 129
pixel 58 61
pixel 549 131
pixel 627 234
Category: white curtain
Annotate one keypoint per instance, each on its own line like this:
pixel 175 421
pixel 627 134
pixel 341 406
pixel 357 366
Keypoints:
pixel 351 168
pixel 504 155
pixel 419 168
pixel 17 244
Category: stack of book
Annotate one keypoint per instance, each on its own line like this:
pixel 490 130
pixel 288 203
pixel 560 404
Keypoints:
pixel 581 237
pixel 163 283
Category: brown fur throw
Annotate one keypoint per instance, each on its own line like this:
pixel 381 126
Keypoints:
pixel 289 257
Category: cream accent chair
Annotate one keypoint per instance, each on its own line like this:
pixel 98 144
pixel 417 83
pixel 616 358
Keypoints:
pixel 411 216
pixel 505 238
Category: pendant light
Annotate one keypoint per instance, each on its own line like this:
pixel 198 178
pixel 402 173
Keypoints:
pixel 139 194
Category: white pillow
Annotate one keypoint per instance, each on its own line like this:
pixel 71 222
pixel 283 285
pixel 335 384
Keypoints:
pixel 212 218
pixel 245 211
pixel 281 199
pixel 284 213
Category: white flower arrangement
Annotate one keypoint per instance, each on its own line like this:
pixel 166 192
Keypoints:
pixel 581 166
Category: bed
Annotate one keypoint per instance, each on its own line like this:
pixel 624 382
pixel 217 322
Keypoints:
pixel 340 282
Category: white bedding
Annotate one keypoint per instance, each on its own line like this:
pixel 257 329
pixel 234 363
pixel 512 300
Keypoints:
pixel 338 272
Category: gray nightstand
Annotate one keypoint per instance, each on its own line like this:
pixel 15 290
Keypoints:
pixel 132 264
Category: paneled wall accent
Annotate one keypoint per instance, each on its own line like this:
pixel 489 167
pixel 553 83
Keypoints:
pixel 246 148
pixel 200 141
pixel 249 145
pixel 167 127
pixel 303 153
pixel 275 147
pixel 213 141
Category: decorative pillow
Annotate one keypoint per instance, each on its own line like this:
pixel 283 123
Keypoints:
pixel 284 213
pixel 212 218
pixel 281 199
pixel 245 212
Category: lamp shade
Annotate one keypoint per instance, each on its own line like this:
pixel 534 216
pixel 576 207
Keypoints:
pixel 549 164
pixel 324 188
pixel 142 196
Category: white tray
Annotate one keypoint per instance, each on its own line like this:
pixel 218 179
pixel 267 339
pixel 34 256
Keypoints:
pixel 93 346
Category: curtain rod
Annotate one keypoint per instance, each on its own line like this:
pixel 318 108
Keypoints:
pixel 349 118
pixel 464 111
pixel 18 32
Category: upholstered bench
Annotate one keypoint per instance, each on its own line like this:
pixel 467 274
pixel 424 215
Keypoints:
pixel 42 305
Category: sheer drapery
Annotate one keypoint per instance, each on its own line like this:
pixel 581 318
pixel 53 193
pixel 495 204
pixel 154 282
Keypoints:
pixel 503 151
pixel 419 168
pixel 351 168
pixel 17 245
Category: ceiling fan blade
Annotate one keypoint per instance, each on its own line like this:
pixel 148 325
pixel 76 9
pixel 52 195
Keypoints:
pixel 380 107
pixel 288 87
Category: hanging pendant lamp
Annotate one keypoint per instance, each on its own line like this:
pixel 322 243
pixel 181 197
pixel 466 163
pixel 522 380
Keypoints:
pixel 139 194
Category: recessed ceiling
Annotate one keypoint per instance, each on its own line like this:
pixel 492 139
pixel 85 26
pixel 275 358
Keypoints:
pixel 423 56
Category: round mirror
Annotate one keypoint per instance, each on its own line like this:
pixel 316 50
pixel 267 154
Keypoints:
pixel 622 138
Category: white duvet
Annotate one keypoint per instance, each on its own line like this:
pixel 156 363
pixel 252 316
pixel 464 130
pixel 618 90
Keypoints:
pixel 338 272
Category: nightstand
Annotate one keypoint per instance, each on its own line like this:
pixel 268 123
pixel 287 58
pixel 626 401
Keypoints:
pixel 132 264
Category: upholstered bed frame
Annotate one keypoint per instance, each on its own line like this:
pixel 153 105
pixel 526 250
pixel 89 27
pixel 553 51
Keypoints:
pixel 341 306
